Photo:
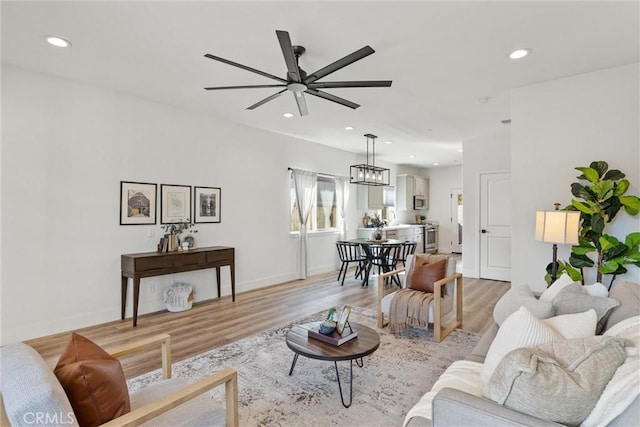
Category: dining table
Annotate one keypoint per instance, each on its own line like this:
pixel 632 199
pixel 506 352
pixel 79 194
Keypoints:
pixel 366 244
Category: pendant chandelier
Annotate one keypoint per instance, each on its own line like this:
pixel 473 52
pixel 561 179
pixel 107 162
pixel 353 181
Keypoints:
pixel 369 173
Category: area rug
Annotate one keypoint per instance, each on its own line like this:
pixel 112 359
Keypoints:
pixel 393 378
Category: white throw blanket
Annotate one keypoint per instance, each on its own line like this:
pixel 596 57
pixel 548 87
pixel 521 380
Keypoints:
pixel 462 375
pixel 624 387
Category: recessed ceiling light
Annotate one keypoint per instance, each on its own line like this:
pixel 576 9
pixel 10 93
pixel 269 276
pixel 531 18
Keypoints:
pixel 483 100
pixel 460 150
pixel 348 128
pixel 388 142
pixel 411 156
pixel 287 115
pixel 429 130
pixel 436 164
pixel 58 42
pixel 519 53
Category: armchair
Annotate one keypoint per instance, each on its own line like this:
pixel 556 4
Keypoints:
pixel 445 292
pixel 29 389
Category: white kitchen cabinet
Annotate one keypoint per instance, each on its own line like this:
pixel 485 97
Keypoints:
pixel 408 186
pixel 375 197
pixel 405 186
pixel 421 186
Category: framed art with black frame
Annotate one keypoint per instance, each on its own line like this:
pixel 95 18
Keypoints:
pixel 137 203
pixel 175 203
pixel 206 204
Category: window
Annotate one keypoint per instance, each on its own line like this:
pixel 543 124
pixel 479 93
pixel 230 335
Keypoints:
pixel 323 215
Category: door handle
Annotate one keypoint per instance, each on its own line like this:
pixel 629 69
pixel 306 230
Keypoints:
pixel 483 231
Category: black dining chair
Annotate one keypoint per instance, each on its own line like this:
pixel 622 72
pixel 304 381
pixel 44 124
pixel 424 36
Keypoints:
pixel 350 252
pixel 382 256
pixel 408 248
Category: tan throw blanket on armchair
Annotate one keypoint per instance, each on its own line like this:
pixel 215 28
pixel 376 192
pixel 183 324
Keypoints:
pixel 409 308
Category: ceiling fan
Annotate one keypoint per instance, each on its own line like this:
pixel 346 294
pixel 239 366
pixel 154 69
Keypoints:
pixel 299 82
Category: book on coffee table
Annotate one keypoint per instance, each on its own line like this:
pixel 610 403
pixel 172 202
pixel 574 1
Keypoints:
pixel 334 338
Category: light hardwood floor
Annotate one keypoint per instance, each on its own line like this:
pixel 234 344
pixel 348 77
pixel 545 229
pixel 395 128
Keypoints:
pixel 214 323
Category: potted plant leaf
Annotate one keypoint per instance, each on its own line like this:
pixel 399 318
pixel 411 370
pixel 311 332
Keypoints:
pixel 599 197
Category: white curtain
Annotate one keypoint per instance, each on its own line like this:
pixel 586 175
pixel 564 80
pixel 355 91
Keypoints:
pixel 305 188
pixel 343 184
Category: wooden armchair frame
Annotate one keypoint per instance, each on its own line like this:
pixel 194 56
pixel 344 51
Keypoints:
pixel 226 376
pixel 438 332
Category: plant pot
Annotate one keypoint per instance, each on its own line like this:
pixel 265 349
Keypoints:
pixel 377 234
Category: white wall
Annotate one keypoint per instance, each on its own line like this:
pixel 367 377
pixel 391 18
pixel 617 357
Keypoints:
pixel 65 149
pixel 441 182
pixel 557 126
pixel 480 155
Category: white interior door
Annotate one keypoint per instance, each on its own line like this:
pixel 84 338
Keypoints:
pixel 456 221
pixel 495 226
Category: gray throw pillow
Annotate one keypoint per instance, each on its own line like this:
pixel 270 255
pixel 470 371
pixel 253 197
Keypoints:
pixel 628 293
pixel 521 296
pixel 560 381
pixel 574 299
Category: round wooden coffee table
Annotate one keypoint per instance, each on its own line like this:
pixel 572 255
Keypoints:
pixel 364 344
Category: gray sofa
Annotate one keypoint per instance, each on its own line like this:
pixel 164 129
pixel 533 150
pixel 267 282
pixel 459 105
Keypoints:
pixel 453 407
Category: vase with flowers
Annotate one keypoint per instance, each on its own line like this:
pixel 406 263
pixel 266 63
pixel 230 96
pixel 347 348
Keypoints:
pixel 379 225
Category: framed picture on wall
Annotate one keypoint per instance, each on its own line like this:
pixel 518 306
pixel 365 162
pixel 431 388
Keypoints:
pixel 175 203
pixel 137 203
pixel 206 204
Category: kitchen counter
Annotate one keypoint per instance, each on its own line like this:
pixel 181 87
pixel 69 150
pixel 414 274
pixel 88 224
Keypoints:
pixel 402 232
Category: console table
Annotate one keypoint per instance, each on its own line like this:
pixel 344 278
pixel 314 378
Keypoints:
pixel 150 264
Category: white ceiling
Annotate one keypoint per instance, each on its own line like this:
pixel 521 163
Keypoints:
pixel 442 57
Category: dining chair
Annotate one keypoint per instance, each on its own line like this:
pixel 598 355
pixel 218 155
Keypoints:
pixel 350 252
pixel 382 256
pixel 408 248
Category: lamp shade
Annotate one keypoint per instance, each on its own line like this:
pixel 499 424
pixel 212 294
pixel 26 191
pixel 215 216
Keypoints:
pixel 558 227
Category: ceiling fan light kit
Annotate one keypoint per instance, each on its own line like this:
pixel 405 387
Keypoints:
pixel 369 173
pixel 299 82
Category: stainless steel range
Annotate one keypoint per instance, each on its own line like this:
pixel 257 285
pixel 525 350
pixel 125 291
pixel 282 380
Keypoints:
pixel 431 238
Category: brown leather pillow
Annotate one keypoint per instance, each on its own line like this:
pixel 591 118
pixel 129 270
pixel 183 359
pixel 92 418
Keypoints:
pixel 94 382
pixel 424 274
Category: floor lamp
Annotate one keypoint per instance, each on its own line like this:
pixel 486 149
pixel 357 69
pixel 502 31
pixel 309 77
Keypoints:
pixel 557 227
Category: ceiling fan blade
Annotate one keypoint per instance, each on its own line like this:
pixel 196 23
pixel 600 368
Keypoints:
pixel 364 83
pixel 289 55
pixel 244 67
pixel 241 87
pixel 267 99
pixel 340 63
pixel 333 98
pixel 302 103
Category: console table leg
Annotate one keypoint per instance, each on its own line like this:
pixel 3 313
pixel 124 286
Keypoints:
pixel 232 269
pixel 136 297
pixel 346 405
pixel 218 280
pixel 125 281
pixel 293 365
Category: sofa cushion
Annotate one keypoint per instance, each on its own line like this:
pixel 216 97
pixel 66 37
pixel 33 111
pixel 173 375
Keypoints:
pixel 94 382
pixel 560 381
pixel 423 274
pixel 29 387
pixel 519 296
pixel 561 282
pixel 522 329
pixel 574 299
pixel 628 294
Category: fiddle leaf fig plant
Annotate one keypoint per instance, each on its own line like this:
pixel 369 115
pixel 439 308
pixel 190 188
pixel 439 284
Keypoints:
pixel 599 198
